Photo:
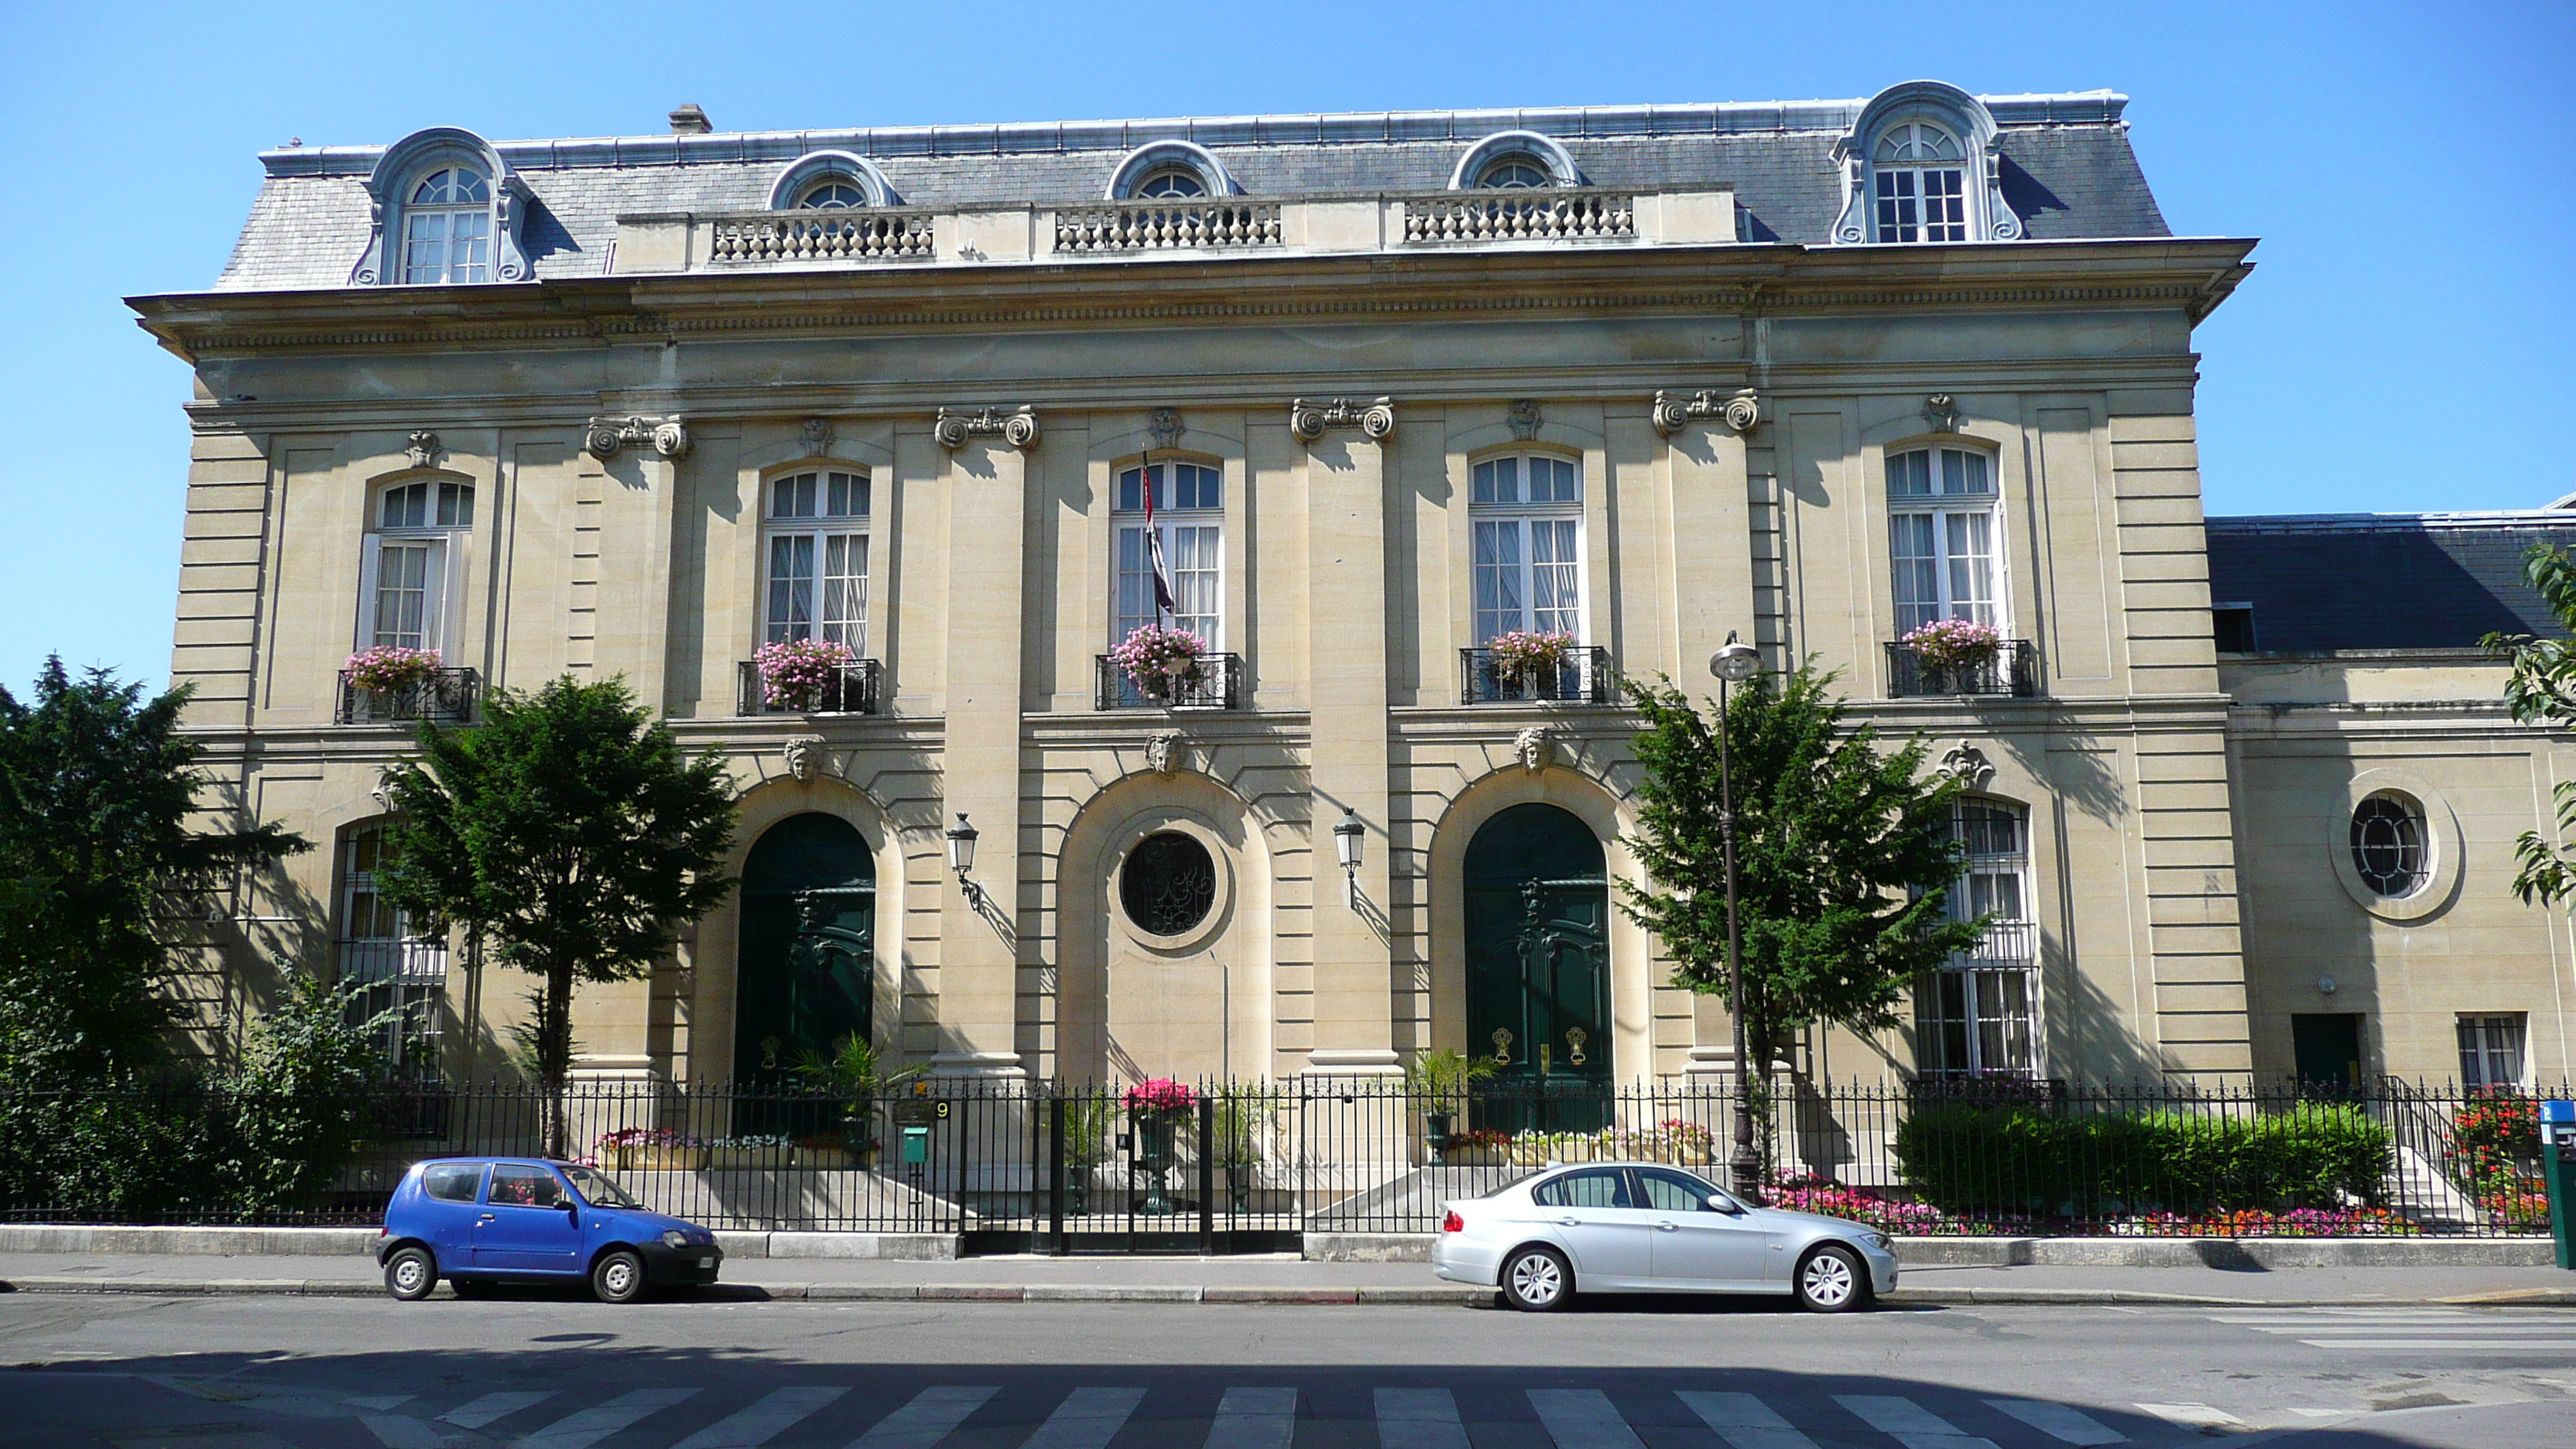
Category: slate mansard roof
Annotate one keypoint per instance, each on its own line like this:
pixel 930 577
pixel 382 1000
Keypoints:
pixel 2066 170
pixel 2384 581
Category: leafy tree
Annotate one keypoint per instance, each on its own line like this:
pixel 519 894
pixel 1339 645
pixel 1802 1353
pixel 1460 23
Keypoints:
pixel 1844 858
pixel 103 853
pixel 2542 690
pixel 571 831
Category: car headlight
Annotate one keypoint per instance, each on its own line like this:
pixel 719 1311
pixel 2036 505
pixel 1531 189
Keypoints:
pixel 674 1238
pixel 1879 1241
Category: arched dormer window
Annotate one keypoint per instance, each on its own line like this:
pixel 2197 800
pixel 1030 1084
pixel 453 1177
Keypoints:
pixel 446 210
pixel 830 181
pixel 1169 169
pixel 447 228
pixel 1514 160
pixel 1920 165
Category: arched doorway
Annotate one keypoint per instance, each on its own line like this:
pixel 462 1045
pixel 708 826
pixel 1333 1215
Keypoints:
pixel 1538 969
pixel 805 973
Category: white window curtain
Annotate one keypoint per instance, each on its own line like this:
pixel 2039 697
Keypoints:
pixel 1980 1014
pixel 1527 524
pixel 1941 537
pixel 2491 1051
pixel 413 569
pixel 1188 520
pixel 814 565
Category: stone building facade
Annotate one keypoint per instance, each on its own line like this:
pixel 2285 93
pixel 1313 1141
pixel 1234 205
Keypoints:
pixel 1378 390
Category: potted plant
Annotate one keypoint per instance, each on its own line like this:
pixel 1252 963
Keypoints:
pixel 1953 649
pixel 1087 1130
pixel 652 1149
pixel 1478 1147
pixel 1530 659
pixel 1163 664
pixel 1241 1114
pixel 752 1153
pixel 849 1074
pixel 1437 1082
pixel 388 670
pixel 1155 1107
pixel 798 674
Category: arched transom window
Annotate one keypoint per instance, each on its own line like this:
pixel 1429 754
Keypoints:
pixel 1942 536
pixel 1172 181
pixel 447 228
pixel 1514 172
pixel 1919 182
pixel 1526 515
pixel 1979 1014
pixel 832 193
pixel 814 574
pixel 413 572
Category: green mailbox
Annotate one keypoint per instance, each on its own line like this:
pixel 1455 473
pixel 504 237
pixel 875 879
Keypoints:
pixel 916 1146
pixel 2558 1169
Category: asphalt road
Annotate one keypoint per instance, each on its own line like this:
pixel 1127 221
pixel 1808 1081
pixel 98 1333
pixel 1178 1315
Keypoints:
pixel 559 1372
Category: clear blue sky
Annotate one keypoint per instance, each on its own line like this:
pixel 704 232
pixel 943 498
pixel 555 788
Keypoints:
pixel 2405 343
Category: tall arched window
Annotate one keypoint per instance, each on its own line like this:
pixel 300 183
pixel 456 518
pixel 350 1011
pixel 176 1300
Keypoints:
pixel 412 578
pixel 447 227
pixel 1526 516
pixel 1979 1014
pixel 1178 529
pixel 1919 180
pixel 1942 537
pixel 814 576
pixel 399 968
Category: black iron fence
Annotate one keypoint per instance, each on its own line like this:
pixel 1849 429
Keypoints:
pixel 446 696
pixel 2013 669
pixel 1215 1167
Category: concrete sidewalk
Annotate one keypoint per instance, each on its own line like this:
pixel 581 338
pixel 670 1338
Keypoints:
pixel 1286 1279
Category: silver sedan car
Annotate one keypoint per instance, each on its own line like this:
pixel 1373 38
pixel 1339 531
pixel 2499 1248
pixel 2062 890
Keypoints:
pixel 1637 1227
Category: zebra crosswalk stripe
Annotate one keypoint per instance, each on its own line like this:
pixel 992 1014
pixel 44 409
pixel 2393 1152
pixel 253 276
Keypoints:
pixel 929 1418
pixel 1419 1419
pixel 398 1431
pixel 1744 1421
pixel 2057 1421
pixel 763 1421
pixel 1087 1419
pixel 1909 1423
pixel 479 1412
pixel 1254 1419
pixel 588 1427
pixel 1583 1419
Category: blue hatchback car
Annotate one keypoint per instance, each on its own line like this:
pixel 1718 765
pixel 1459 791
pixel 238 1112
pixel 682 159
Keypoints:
pixel 476 1221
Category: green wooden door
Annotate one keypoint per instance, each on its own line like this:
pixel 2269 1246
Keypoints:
pixel 806 972
pixel 1538 970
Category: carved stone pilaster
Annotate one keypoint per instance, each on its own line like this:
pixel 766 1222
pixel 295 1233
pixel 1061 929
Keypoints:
pixel 1942 411
pixel 1015 426
pixel 1309 418
pixel 1739 410
pixel 1166 752
pixel 1523 418
pixel 606 437
pixel 424 449
pixel 1165 425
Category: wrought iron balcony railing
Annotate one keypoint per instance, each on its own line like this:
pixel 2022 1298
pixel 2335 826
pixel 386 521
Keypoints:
pixel 410 961
pixel 2013 671
pixel 853 690
pixel 446 697
pixel 1582 676
pixel 1217 685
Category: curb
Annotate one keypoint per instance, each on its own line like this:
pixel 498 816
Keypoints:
pixel 1417 1296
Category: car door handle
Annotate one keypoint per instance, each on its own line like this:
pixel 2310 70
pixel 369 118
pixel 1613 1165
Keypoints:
pixel 1569 1222
pixel 487 1217
pixel 1668 1227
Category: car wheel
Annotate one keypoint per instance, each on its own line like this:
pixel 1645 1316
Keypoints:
pixel 1538 1280
pixel 618 1277
pixel 1832 1280
pixel 410 1274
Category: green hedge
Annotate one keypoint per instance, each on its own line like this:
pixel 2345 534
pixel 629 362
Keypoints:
pixel 1972 1158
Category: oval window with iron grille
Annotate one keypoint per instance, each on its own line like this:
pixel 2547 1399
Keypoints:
pixel 2388 844
pixel 1168 884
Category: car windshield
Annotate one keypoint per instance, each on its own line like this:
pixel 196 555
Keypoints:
pixel 598 1189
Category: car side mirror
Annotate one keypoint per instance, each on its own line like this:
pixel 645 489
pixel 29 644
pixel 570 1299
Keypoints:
pixel 1720 1202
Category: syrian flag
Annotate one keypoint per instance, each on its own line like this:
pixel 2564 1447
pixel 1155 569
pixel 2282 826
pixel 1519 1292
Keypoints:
pixel 1163 604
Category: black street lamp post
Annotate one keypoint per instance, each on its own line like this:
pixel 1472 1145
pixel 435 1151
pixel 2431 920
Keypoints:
pixel 1734 664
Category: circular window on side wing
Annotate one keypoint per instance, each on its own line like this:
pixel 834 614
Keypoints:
pixel 2389 844
pixel 1168 884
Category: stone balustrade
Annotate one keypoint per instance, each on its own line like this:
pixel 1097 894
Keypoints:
pixel 1138 226
pixel 1501 216
pixel 824 236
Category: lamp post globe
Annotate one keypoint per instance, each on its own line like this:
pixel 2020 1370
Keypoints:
pixel 961 845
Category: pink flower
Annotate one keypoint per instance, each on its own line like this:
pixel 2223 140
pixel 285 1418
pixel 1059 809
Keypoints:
pixel 1160 1094
pixel 796 672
